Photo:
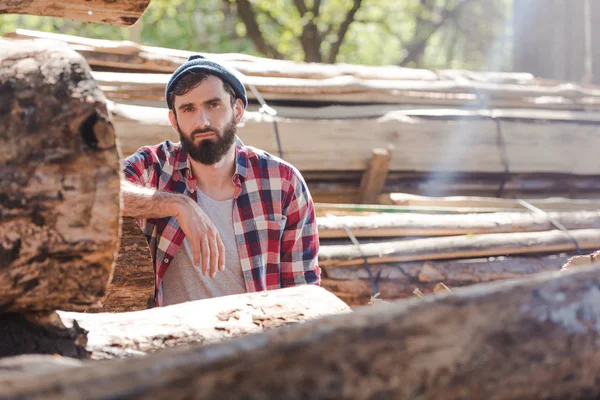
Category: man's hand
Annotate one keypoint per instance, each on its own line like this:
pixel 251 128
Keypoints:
pixel 203 236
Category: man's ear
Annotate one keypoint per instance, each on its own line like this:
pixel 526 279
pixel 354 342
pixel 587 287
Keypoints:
pixel 238 110
pixel 173 119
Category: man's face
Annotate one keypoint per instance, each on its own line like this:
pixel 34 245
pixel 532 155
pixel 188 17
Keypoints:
pixel 206 121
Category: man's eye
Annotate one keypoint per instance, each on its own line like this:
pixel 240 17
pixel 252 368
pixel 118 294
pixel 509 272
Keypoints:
pixel 188 109
pixel 214 104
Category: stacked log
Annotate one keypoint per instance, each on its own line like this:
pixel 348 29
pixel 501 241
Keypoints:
pixel 453 132
pixel 534 338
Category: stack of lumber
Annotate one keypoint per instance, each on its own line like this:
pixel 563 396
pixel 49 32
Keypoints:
pixel 452 132
pixel 422 242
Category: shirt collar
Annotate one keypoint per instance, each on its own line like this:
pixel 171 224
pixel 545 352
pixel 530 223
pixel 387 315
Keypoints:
pixel 241 157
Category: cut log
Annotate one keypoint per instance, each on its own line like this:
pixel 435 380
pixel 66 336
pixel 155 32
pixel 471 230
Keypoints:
pixel 59 187
pixel 548 204
pixel 454 247
pixel 352 285
pixel 28 366
pixel 437 145
pixel 117 335
pixel 121 13
pixel 534 338
pixel 412 224
pixel 375 176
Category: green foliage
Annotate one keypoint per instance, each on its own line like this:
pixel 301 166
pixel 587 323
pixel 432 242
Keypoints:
pixel 474 36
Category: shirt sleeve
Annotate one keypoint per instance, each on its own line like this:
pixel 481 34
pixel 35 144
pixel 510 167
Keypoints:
pixel 300 240
pixel 140 169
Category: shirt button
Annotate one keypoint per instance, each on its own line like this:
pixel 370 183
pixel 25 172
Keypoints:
pixel 166 260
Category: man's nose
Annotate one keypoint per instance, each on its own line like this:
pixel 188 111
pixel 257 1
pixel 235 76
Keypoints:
pixel 202 119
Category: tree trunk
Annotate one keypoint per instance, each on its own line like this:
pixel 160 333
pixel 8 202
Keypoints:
pixel 535 338
pixel 118 335
pixel 59 187
pixel 122 12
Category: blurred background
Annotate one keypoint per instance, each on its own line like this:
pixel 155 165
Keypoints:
pixel 544 37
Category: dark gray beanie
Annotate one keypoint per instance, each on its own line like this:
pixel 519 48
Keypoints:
pixel 199 63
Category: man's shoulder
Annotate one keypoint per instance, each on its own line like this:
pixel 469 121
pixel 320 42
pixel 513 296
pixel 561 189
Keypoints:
pixel 261 162
pixel 166 151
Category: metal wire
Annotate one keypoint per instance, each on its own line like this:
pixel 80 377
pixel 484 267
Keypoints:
pixel 266 109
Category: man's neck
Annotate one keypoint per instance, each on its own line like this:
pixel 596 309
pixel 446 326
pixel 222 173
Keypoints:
pixel 215 180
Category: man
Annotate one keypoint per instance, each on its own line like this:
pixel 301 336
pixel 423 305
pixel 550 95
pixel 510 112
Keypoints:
pixel 220 217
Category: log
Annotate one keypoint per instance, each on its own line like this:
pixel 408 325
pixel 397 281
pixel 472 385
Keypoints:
pixel 120 335
pixel 437 145
pixel 399 280
pixel 121 13
pixel 532 338
pixel 412 224
pixel 132 284
pixel 547 204
pixel 454 247
pixel 60 182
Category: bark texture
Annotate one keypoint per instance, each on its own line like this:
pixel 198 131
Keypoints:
pixel 535 338
pixel 59 187
pixel 121 13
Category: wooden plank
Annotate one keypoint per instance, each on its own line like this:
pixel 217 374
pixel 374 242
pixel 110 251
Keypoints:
pixel 436 145
pixel 121 13
pixel 412 224
pixel 443 347
pixel 455 247
pixel 546 204
pixel 60 182
pixel 375 176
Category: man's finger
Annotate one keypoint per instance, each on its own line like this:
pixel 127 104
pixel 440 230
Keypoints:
pixel 221 260
pixel 205 255
pixel 196 250
pixel 214 257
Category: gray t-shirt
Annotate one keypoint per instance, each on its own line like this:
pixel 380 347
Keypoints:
pixel 184 281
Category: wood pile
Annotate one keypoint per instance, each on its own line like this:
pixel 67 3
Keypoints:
pixel 447 132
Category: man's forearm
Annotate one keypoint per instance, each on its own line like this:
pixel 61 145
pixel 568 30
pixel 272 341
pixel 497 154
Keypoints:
pixel 144 202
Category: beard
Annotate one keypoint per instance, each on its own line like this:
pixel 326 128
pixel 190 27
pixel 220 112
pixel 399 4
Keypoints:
pixel 209 151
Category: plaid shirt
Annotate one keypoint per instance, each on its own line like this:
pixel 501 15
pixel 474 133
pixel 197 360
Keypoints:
pixel 273 215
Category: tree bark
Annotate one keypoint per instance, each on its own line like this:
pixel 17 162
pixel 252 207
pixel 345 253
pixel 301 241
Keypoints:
pixel 119 335
pixel 121 13
pixel 59 188
pixel 534 338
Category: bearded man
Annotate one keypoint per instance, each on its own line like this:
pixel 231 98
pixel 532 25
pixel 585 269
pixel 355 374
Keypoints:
pixel 220 217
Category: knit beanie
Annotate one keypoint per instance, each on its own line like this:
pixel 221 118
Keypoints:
pixel 199 63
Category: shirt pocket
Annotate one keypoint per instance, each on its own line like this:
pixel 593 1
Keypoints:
pixel 270 228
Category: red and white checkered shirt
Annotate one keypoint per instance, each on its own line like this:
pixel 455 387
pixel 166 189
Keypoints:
pixel 273 215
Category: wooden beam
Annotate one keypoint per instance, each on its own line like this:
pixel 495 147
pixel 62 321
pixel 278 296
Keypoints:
pixel 532 338
pixel 420 144
pixel 455 247
pixel 60 181
pixel 546 204
pixel 413 224
pixel 375 176
pixel 121 13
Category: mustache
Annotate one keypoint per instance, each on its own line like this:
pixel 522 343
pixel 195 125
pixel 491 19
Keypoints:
pixel 200 131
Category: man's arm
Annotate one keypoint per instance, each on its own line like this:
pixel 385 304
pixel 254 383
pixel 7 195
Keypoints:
pixel 300 240
pixel 143 202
